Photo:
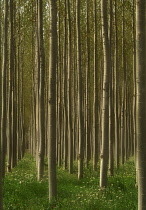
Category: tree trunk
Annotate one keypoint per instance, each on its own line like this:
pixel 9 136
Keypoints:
pixel 95 103
pixel 59 91
pixel 80 110
pixel 10 94
pixel 65 105
pixel 105 108
pixel 111 99
pixel 52 102
pixel 4 88
pixel 141 100
pixel 41 81
pixel 134 94
pixel 87 98
pixel 116 91
pixel 1 197
pixel 69 88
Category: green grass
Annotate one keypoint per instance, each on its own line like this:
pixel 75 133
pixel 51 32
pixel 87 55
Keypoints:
pixel 23 192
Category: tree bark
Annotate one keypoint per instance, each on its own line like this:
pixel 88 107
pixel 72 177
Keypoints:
pixel 80 110
pixel 69 88
pixel 105 108
pixel 10 94
pixel 3 89
pixel 52 102
pixel 95 102
pixel 141 100
pixel 116 90
pixel 41 81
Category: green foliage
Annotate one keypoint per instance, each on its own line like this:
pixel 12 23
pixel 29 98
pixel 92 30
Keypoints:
pixel 22 191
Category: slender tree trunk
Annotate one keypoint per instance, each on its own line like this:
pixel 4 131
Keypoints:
pixel 70 133
pixel 21 139
pixel 19 93
pixel 4 92
pixel 52 102
pixel 111 99
pixel 10 94
pixel 0 63
pixel 95 103
pixel 0 57
pixel 41 103
pixel 75 120
pixel 105 108
pixel 59 90
pixel 122 126
pixel 87 102
pixel 134 94
pixel 1 196
pixel 80 101
pixel 14 92
pixel 65 105
pixel 141 100
pixel 124 96
pixel 33 94
pixel 116 90
pixel 36 87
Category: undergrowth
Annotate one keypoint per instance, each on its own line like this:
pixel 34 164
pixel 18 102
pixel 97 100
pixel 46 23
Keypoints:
pixel 22 191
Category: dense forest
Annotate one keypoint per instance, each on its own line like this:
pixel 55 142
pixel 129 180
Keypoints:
pixel 73 88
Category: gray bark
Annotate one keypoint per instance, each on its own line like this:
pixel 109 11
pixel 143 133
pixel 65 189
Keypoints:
pixel 69 88
pixel 80 109
pixel 105 105
pixel 141 100
pixel 41 81
pixel 52 102
pixel 3 89
pixel 95 103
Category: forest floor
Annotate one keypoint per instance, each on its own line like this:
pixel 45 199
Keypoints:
pixel 22 191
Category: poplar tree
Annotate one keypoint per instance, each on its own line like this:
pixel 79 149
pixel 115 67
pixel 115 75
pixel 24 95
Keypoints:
pixel 80 109
pixel 41 88
pixel 52 102
pixel 95 102
pixel 87 98
pixel 141 100
pixel 4 88
pixel 69 91
pixel 1 197
pixel 116 120
pixel 105 105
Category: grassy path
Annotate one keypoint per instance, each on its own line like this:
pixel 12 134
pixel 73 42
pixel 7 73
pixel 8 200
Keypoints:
pixel 23 192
